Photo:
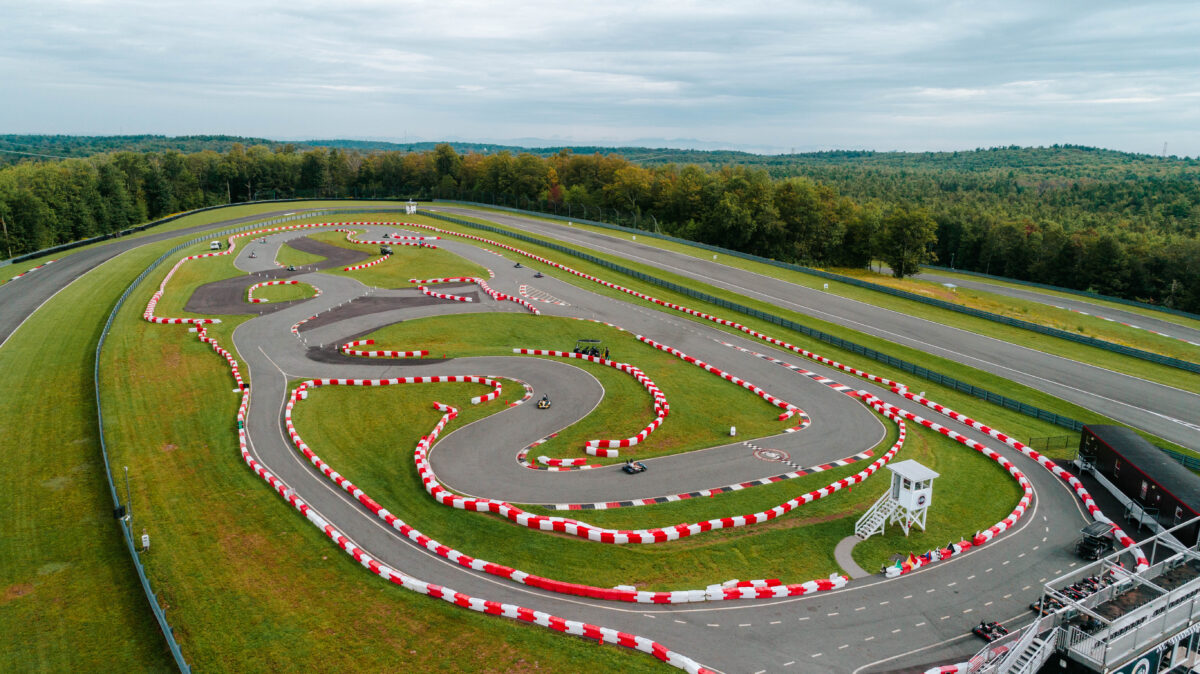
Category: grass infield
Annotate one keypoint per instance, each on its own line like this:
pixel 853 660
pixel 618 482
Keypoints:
pixel 694 422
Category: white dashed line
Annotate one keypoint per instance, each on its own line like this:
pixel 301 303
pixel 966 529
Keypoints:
pixel 802 619
pixel 895 630
pixel 908 596
pixel 952 584
pixel 861 608
pixel 843 646
pixel 744 625
pixel 776 622
pixel 968 610
pixel 833 614
pixel 918 624
pixel 713 625
pixel 681 622
pixel 884 603
pixel 869 638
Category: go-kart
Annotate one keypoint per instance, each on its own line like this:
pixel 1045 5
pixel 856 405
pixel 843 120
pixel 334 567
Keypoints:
pixel 989 631
pixel 633 467
pixel 517 266
pixel 544 403
pixel 538 275
pixel 291 267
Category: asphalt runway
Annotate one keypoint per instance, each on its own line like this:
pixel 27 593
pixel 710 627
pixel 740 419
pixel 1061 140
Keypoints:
pixel 1170 413
pixel 872 625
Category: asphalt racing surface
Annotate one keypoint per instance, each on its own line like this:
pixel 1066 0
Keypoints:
pixel 871 625
pixel 1170 413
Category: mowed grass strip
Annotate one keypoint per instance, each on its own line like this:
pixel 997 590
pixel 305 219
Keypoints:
pixel 285 293
pixel 376 455
pixel 248 584
pixel 1035 312
pixel 406 261
pixel 702 404
pixel 1136 367
pixel 1050 294
pixel 1014 423
pixel 69 597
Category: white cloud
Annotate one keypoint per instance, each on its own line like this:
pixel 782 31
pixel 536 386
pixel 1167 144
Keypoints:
pixel 907 75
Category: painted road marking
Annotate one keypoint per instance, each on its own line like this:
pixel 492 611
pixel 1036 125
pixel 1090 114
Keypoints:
pixel 895 630
pixel 918 624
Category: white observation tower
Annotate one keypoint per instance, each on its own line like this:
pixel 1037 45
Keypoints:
pixel 905 502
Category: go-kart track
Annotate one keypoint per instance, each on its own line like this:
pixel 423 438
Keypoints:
pixel 917 620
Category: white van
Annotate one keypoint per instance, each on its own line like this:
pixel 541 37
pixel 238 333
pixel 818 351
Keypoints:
pixel 215 245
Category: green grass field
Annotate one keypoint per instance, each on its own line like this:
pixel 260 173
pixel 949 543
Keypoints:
pixel 1119 363
pixel 406 262
pixel 377 457
pixel 247 583
pixel 1035 312
pixel 627 407
pixel 243 578
pixel 285 293
pixel 71 600
pixel 1161 315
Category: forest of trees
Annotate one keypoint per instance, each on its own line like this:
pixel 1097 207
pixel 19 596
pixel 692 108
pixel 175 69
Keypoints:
pixel 1125 225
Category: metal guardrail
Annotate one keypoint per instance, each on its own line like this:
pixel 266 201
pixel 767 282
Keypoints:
pixel 1072 291
pixel 904 294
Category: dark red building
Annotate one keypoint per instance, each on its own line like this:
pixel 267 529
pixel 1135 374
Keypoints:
pixel 1144 473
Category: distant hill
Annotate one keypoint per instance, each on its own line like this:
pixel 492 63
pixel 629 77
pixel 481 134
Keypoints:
pixel 13 148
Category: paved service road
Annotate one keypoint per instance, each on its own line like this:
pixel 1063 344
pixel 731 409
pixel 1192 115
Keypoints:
pixel 1167 412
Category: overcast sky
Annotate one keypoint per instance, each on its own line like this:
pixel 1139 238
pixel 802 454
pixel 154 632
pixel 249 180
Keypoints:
pixel 761 76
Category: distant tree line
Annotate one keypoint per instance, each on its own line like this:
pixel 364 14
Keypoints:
pixel 1126 236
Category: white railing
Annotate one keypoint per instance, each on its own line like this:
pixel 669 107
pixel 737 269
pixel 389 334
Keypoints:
pixel 874 521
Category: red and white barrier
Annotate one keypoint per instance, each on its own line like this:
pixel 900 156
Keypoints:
pixel 349 350
pixel 987 535
pixel 1055 469
pixel 789 409
pixel 366 265
pixel 743 590
pixel 608 448
pixel 443 296
pixel 250 291
pixel 31 270
pixel 399 240
pixel 498 296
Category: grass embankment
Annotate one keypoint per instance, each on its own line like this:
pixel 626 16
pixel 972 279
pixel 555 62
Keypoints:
pixel 695 421
pixel 245 581
pixel 1013 423
pixel 1035 312
pixel 70 598
pixel 406 261
pixel 285 293
pixel 290 256
pixel 1143 311
pixel 1086 354
pixel 377 456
